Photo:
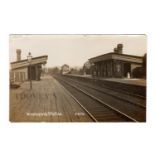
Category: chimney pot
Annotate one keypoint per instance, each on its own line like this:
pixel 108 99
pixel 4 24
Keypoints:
pixel 115 50
pixel 120 48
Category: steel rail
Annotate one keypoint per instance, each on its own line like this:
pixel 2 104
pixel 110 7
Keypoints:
pixel 103 103
pixel 137 104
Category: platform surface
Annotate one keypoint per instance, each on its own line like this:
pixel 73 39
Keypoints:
pixel 132 81
pixel 48 101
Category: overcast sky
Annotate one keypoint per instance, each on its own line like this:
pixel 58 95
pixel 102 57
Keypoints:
pixel 74 50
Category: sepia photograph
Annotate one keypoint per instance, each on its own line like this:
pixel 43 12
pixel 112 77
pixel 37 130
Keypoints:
pixel 78 77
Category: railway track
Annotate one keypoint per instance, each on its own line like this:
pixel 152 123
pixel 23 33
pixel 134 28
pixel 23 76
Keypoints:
pixel 96 107
pixel 124 97
pixel 116 89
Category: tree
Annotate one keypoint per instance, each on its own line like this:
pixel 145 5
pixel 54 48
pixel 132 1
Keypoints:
pixel 76 70
pixel 140 72
pixel 54 70
pixel 86 67
pixel 144 60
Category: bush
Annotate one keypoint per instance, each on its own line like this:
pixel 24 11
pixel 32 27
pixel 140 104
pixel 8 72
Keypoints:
pixel 139 72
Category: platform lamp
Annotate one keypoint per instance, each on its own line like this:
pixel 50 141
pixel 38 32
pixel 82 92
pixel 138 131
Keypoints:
pixel 29 59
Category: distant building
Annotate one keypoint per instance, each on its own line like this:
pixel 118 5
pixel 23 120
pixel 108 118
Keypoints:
pixel 21 71
pixel 115 64
pixel 65 69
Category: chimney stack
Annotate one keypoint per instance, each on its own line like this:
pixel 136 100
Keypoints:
pixel 18 51
pixel 119 48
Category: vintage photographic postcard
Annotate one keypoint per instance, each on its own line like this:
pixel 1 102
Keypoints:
pixel 77 78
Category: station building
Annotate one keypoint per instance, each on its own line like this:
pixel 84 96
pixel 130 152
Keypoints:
pixel 115 64
pixel 22 70
pixel 65 69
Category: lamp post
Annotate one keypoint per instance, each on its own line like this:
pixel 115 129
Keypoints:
pixel 29 59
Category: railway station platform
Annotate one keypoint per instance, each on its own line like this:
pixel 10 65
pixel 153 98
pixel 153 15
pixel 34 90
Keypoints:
pixel 131 86
pixel 48 101
pixel 130 81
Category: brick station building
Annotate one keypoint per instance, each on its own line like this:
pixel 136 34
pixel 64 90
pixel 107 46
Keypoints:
pixel 21 71
pixel 114 64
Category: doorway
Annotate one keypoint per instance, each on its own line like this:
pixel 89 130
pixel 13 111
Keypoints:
pixel 127 69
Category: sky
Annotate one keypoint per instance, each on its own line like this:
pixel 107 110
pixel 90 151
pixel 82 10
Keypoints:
pixel 74 50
